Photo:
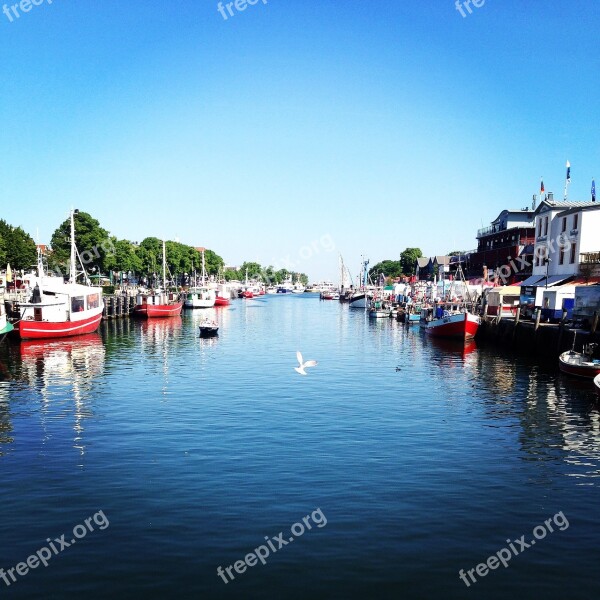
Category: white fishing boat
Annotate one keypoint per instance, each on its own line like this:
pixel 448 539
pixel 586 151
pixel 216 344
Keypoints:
pixel 57 309
pixel 201 296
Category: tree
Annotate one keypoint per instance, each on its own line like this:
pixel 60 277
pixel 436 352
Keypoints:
pixel 93 243
pixel 17 247
pixel 3 260
pixel 390 268
pixel 408 260
pixel 456 253
pixel 124 257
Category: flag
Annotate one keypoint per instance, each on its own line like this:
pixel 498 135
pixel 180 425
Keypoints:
pixel 8 274
pixel 593 191
pixel 542 190
pixel 568 172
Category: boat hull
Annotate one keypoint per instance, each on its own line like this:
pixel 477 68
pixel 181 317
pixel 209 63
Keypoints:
pixel 462 326
pixel 583 369
pixel 597 384
pixel 38 330
pixel 358 301
pixel 154 311
pixel 220 301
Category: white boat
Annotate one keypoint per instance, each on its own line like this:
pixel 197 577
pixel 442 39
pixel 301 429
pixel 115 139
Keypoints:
pixel 57 309
pixel 597 384
pixel 201 296
pixel 271 290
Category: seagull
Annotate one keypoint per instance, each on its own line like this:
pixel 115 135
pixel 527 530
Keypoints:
pixel 308 363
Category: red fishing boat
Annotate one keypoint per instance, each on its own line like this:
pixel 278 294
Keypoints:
pixel 580 364
pixel 459 324
pixel 221 301
pixel 158 304
pixel 57 309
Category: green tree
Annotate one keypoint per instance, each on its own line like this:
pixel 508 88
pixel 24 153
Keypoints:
pixel 408 260
pixel 93 243
pixel 3 260
pixel 18 247
pixel 124 257
pixel 390 268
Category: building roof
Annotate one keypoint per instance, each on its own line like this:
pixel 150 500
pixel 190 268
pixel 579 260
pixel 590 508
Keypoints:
pixel 422 261
pixel 563 204
pixel 586 206
pixel 441 260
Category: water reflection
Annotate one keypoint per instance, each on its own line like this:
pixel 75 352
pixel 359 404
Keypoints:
pixel 62 372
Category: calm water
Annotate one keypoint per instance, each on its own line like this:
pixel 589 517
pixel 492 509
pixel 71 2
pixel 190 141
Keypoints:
pixel 195 450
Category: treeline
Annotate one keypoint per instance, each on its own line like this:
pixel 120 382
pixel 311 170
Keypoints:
pixel 101 253
pixel 405 267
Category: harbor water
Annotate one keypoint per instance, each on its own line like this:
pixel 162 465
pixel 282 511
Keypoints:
pixel 412 459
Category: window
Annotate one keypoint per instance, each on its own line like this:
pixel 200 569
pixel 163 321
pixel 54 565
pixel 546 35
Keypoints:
pixel 77 304
pixel 573 248
pixel 539 227
pixel 546 226
pixel 564 224
pixel 575 220
pixel 561 256
pixel 93 301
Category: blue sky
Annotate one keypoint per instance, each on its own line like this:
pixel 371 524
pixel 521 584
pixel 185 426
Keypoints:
pixel 379 124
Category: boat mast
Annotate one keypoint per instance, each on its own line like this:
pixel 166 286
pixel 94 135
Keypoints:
pixel 203 269
pixel 72 273
pixel 164 267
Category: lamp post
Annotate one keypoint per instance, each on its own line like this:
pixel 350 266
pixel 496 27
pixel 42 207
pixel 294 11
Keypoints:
pixel 547 261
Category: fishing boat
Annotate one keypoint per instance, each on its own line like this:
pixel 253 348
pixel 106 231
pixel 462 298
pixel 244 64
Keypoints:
pixel 597 384
pixel 57 309
pixel 286 287
pixel 271 290
pixel 209 328
pixel 580 364
pixel 380 309
pixel 360 298
pixel 200 296
pixel 412 314
pixel 158 303
pixel 449 321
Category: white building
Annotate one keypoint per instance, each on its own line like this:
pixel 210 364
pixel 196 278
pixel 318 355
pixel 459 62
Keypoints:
pixel 567 247
pixel 567 235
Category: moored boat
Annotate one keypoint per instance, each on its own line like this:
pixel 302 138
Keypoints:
pixel 580 364
pixel 158 304
pixel 200 297
pixel 452 322
pixel 57 309
pixel 597 384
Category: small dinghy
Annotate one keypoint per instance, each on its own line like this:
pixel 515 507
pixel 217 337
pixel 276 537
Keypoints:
pixel 209 328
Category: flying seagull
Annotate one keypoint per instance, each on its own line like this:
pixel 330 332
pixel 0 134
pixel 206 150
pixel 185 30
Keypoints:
pixel 308 363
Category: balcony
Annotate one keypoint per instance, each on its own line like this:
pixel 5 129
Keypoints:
pixel 589 258
pixel 490 229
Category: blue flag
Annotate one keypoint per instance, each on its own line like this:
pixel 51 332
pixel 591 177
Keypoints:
pixel 568 172
pixel 593 191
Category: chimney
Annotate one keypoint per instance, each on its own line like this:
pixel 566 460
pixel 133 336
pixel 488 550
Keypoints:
pixel 550 197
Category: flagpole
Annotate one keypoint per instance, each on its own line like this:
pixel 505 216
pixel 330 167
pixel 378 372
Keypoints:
pixel 567 180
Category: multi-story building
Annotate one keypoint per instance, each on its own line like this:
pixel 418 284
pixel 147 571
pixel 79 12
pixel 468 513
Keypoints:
pixel 508 240
pixel 567 247
pixel 567 240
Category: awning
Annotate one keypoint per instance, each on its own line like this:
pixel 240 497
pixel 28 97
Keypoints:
pixel 553 280
pixel 532 280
